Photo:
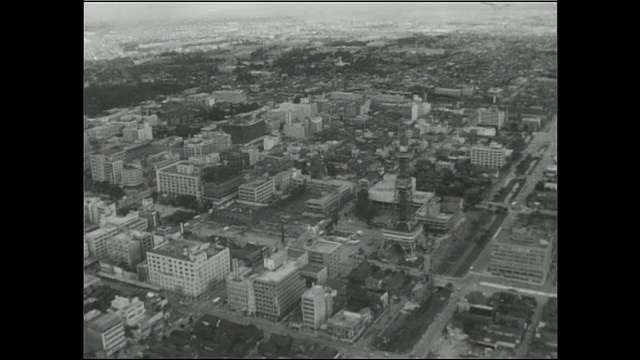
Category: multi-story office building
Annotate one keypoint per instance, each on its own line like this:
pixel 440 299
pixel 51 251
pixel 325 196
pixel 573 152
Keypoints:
pixel 107 166
pixel 492 156
pixel 240 293
pixel 123 249
pixel 230 96
pixel 220 183
pixel 213 142
pixel 137 132
pixel 270 141
pixel 246 132
pixel 521 254
pixel 321 252
pixel 86 249
pixel 278 292
pixel 316 305
pixel 105 332
pixel 259 191
pixel 130 312
pixel 325 205
pixel 132 175
pixel 252 154
pixel 182 178
pixel 97 241
pixel 187 267
pixel 95 209
pixel 162 159
pixel 491 117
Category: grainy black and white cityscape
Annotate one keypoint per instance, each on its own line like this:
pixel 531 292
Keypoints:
pixel 320 180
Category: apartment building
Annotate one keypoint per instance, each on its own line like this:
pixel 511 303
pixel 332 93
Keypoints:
pixel 492 156
pixel 97 241
pixel 182 178
pixel 187 267
pixel 278 292
pixel 259 191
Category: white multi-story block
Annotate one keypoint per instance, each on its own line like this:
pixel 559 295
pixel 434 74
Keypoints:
pixel 182 178
pixel 187 267
pixel 492 156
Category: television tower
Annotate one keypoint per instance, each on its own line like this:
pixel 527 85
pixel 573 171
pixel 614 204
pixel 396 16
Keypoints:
pixel 403 181
pixel 405 232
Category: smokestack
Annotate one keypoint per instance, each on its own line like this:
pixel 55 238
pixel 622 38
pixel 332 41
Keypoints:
pixel 181 228
pixel 185 250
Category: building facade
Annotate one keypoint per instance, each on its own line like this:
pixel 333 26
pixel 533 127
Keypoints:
pixel 106 332
pixel 107 167
pixel 97 241
pixel 491 117
pixel 187 267
pixel 258 191
pixel 492 156
pixel 182 178
pixel 130 312
pixel 278 292
pixel 314 308
pixel 520 254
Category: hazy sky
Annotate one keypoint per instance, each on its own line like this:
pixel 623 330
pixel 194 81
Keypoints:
pixel 130 10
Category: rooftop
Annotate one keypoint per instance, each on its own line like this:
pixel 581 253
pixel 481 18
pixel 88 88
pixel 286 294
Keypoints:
pixel 523 237
pixel 105 322
pixel 255 183
pixel 288 268
pixel 313 268
pixel 176 249
pixel 346 319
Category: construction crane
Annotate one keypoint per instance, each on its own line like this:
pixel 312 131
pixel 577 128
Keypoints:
pixel 495 7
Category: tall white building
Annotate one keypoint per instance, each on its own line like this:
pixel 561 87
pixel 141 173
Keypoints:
pixel 182 178
pixel 95 209
pixel 315 309
pixel 259 191
pixel 491 117
pixel 107 167
pixel 187 267
pixel 130 312
pixel 97 241
pixel 278 292
pixel 492 156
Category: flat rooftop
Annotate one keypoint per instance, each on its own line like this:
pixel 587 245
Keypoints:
pixel 313 269
pixel 288 268
pixel 255 183
pixel 175 249
pixel 173 168
pixel 345 319
pixel 104 322
pixel 523 237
